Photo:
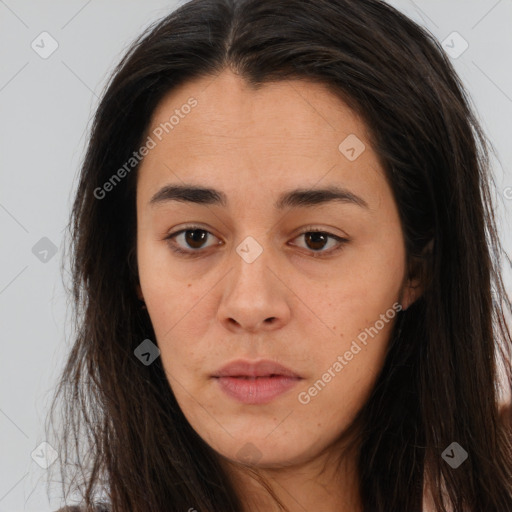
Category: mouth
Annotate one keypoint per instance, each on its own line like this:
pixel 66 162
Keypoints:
pixel 255 383
pixel 256 390
pixel 249 369
pixel 248 377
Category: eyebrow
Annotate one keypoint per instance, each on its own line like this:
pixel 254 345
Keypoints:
pixel 291 199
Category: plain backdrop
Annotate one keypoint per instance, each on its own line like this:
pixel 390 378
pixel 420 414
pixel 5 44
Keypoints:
pixel 46 105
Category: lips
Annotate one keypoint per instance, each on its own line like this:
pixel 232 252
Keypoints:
pixel 255 383
pixel 248 369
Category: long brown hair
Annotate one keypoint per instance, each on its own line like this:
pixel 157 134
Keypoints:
pixel 122 429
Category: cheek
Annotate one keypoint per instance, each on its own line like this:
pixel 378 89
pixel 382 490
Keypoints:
pixel 167 289
pixel 360 308
pixel 181 313
pixel 365 287
pixel 179 322
pixel 342 384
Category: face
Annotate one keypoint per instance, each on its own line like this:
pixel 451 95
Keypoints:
pixel 297 258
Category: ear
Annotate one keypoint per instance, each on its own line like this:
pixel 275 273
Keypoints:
pixel 139 292
pixel 411 292
pixel 415 281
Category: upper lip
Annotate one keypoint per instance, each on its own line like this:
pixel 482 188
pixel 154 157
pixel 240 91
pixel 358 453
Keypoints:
pixel 261 368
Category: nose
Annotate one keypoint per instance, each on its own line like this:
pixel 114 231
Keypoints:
pixel 254 297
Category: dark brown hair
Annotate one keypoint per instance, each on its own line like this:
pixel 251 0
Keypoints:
pixel 122 429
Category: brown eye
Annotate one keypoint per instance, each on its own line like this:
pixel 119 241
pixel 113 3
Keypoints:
pixel 316 241
pixel 195 237
pixel 189 240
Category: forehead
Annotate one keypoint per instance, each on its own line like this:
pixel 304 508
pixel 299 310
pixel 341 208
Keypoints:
pixel 282 134
pixel 228 105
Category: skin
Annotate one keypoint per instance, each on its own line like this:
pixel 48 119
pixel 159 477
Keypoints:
pixel 212 309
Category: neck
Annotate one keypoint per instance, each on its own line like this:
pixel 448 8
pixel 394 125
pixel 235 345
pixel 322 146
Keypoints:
pixel 325 480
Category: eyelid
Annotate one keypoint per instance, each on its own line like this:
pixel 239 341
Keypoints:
pixel 307 229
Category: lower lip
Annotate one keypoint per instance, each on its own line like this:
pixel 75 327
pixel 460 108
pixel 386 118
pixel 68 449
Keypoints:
pixel 259 390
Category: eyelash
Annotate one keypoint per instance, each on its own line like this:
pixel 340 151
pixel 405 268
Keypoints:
pixel 195 253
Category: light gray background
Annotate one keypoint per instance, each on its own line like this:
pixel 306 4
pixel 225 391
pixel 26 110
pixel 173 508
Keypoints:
pixel 46 106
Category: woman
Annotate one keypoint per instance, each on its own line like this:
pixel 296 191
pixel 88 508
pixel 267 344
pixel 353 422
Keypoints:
pixel 287 272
